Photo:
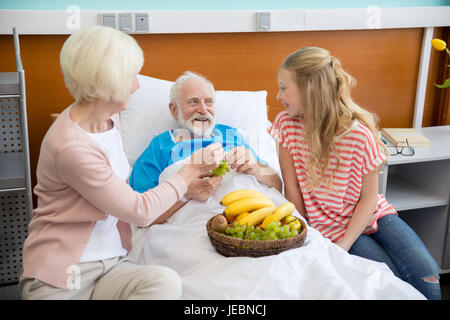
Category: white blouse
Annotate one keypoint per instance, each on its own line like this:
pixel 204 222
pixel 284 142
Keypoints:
pixel 104 241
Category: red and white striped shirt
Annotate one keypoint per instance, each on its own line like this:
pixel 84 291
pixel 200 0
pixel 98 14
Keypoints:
pixel 330 211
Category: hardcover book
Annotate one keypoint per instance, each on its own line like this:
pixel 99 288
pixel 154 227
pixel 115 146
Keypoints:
pixel 398 137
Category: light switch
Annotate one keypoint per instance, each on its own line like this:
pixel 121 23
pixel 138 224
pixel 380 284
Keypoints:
pixel 141 22
pixel 126 22
pixel 263 21
pixel 109 20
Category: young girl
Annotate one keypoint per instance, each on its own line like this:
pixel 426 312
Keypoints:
pixel 329 157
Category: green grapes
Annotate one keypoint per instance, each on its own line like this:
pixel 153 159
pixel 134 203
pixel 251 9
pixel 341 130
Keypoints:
pixel 273 231
pixel 222 169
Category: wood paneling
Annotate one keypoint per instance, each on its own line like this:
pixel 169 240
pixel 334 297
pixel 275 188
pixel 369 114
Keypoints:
pixel 384 62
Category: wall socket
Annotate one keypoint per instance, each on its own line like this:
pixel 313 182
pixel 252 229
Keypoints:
pixel 263 21
pixel 141 22
pixel 109 20
pixel 126 21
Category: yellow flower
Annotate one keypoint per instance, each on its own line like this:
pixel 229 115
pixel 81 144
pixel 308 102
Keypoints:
pixel 438 44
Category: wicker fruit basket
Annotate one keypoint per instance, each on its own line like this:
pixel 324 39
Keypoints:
pixel 235 247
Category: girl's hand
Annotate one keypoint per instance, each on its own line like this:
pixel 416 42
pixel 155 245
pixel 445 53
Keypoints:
pixel 343 244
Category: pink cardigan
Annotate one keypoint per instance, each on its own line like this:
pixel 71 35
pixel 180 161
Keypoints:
pixel 76 187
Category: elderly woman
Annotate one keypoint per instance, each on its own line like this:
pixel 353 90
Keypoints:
pixel 80 233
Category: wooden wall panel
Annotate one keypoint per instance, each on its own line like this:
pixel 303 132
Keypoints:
pixel 384 62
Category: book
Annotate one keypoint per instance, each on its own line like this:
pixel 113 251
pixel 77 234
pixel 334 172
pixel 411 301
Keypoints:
pixel 398 137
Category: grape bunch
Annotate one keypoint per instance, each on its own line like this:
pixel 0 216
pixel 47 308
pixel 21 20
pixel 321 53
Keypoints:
pixel 273 231
pixel 222 169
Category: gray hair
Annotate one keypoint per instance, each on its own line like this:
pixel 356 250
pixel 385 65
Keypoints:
pixel 185 77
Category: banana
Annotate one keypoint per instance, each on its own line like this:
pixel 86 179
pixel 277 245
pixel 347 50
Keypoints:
pixel 256 216
pixel 241 216
pixel 240 194
pixel 248 204
pixel 280 212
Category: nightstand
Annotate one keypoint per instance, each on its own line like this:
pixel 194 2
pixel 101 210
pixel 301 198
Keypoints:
pixel 418 187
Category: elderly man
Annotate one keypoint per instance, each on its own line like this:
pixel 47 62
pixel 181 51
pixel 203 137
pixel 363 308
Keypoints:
pixel 192 105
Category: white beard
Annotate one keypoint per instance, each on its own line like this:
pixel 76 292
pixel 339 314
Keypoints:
pixel 197 131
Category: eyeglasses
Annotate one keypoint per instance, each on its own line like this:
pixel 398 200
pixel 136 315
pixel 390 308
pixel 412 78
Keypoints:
pixel 405 151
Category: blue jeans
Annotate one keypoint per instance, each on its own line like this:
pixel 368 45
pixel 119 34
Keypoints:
pixel 397 245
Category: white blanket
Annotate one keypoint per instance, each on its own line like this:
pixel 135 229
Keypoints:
pixel 317 270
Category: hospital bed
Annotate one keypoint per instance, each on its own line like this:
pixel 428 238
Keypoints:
pixel 317 270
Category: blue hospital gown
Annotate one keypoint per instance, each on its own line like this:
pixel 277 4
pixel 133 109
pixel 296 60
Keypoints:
pixel 163 152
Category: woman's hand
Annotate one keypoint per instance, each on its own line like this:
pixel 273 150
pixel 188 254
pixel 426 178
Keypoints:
pixel 201 189
pixel 201 162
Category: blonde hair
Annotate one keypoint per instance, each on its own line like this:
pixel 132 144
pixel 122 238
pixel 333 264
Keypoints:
pixel 100 63
pixel 328 108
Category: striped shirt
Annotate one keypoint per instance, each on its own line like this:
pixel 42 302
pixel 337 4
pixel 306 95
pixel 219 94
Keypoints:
pixel 330 211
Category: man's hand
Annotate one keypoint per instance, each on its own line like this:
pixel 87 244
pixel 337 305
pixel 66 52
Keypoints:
pixel 203 188
pixel 241 159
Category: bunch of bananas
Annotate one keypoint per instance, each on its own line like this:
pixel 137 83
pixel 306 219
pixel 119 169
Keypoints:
pixel 250 207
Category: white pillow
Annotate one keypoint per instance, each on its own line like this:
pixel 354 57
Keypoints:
pixel 148 115
pixel 246 110
pixel 264 146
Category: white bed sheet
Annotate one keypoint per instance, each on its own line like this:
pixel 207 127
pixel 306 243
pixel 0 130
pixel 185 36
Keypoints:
pixel 317 270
